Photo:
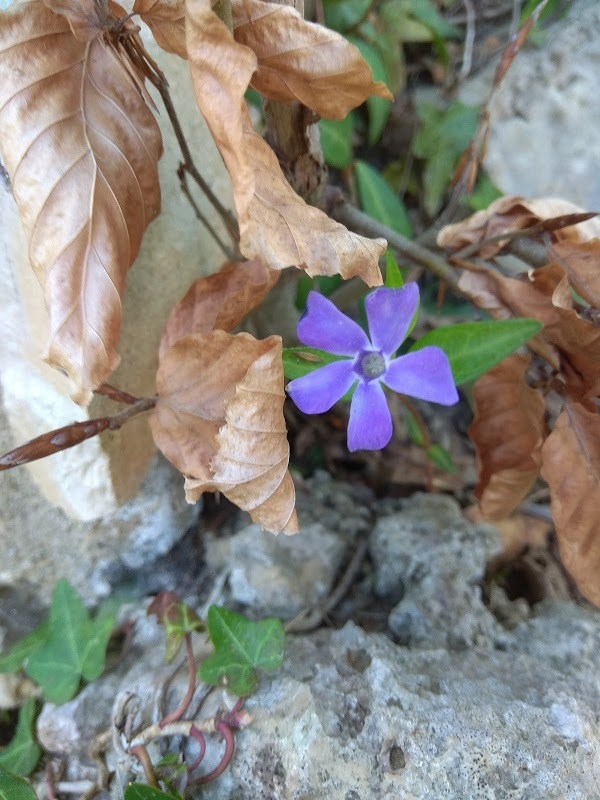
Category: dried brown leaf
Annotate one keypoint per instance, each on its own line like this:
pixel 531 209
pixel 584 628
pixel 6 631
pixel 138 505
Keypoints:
pixel 508 432
pixel 300 60
pixel 81 148
pixel 571 466
pixel 219 419
pixel 219 301
pixel 166 20
pixel 576 341
pixel 581 262
pixel 281 230
pixel 563 221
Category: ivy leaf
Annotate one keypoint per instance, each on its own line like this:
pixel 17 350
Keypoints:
pixel 344 14
pixel 76 647
pixel 393 276
pixel 23 752
pixel 241 647
pixel 474 347
pixel 178 620
pixel 14 788
pixel 379 109
pixel 20 651
pixel 141 791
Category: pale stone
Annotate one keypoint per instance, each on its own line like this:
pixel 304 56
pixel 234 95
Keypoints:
pixel 93 479
pixel 544 118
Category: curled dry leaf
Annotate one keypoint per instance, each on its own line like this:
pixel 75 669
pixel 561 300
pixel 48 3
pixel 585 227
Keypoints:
pixel 219 419
pixel 581 263
pixel 508 433
pixel 81 148
pixel 219 301
pixel 515 213
pixel 281 230
pixel 300 60
pixel 574 341
pixel 166 20
pixel 571 466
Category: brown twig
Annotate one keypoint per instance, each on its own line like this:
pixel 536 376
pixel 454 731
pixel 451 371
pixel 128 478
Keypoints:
pixel 182 175
pixel 360 222
pixel 141 753
pixel 115 394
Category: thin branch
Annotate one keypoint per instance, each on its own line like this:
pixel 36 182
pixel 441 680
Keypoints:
pixel 469 41
pixel 360 222
pixel 141 753
pixel 179 728
pixel 182 175
pixel 115 394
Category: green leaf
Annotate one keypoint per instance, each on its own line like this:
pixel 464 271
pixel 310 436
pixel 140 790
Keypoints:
pixel 76 647
pixel 140 791
pixel 484 194
pixel 379 200
pixel 299 361
pixel 23 752
pixel 14 788
pixel 25 647
pixel 393 276
pixel 378 108
pixel 344 14
pixel 241 647
pixel 474 347
pixel 439 456
pixel 440 140
pixel 413 430
pixel 336 140
pixel 426 12
pixel 253 98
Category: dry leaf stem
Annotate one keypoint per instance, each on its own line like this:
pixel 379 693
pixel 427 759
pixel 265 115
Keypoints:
pixel 358 221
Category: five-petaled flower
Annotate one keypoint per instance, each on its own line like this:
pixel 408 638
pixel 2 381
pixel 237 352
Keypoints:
pixel 424 374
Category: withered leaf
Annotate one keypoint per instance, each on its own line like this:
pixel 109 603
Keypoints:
pixel 514 213
pixel 300 60
pixel 221 69
pixel 221 300
pixel 81 148
pixel 581 262
pixel 166 20
pixel 281 230
pixel 508 433
pixel 571 466
pixel 219 419
pixel 575 340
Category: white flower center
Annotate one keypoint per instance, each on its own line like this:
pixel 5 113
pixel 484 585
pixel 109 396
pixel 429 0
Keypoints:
pixel 372 365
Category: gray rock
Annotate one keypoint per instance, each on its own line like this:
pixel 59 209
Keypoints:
pixel 277 575
pixel 434 560
pixel 544 119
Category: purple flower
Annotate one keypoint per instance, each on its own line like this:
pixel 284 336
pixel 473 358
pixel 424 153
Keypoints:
pixel 424 374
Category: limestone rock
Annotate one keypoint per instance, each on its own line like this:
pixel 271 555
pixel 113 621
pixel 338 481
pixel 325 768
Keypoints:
pixel 544 121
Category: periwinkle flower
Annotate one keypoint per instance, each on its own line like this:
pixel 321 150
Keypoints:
pixel 424 374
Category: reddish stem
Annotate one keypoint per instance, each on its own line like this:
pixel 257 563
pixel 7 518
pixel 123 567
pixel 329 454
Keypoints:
pixel 199 737
pixel 115 394
pixel 227 735
pixel 178 713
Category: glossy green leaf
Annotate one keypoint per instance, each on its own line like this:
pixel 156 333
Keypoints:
pixel 23 752
pixel 340 15
pixel 441 139
pixel 379 200
pixel 439 456
pixel 393 276
pixel 474 347
pixel 13 659
pixel 378 108
pixel 241 648
pixel 14 788
pixel 76 647
pixel 140 791
pixel 299 361
pixel 336 141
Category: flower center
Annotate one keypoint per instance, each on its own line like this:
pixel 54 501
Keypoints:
pixel 372 365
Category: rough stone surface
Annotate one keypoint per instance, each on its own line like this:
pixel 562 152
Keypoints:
pixel 544 119
pixel 355 716
pixel 433 560
pixel 89 482
pixel 277 575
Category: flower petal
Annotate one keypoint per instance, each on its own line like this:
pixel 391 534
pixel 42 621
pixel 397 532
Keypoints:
pixel 390 312
pixel 324 326
pixel 318 391
pixel 424 374
pixel 370 425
